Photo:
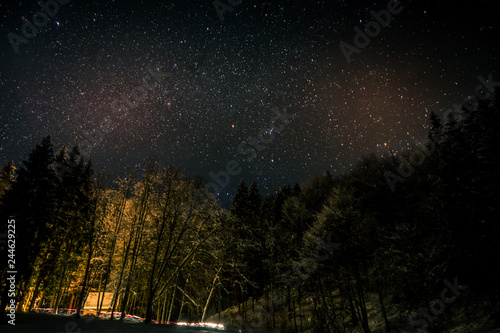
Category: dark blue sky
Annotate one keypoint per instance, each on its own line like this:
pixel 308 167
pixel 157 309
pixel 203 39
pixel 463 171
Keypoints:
pixel 227 82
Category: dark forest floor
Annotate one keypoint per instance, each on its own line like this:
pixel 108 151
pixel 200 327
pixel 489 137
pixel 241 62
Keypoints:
pixel 49 323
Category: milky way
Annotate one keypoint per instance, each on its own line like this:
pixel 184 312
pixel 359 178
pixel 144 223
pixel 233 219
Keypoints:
pixel 88 77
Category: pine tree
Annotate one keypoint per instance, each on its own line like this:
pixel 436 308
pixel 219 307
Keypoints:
pixel 31 201
pixel 239 204
pixel 6 177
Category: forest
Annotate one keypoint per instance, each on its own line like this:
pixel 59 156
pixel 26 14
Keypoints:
pixel 403 242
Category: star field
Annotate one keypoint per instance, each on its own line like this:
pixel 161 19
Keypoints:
pixel 224 78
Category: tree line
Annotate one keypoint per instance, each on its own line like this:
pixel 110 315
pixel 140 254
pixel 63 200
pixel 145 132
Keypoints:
pixel 334 254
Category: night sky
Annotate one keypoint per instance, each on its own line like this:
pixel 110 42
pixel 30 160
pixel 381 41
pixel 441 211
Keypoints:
pixel 170 80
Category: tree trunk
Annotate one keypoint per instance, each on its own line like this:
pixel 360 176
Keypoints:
pixel 132 268
pixel 180 310
pixel 84 286
pixel 173 298
pixel 362 303
pixel 210 294
pixel 300 308
pixel 152 285
pixel 124 264
pixel 141 217
pixel 125 296
pixel 384 312
pixel 35 294
pixel 294 315
pixel 272 307
pixel 118 224
pixel 60 287
pixel 164 310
